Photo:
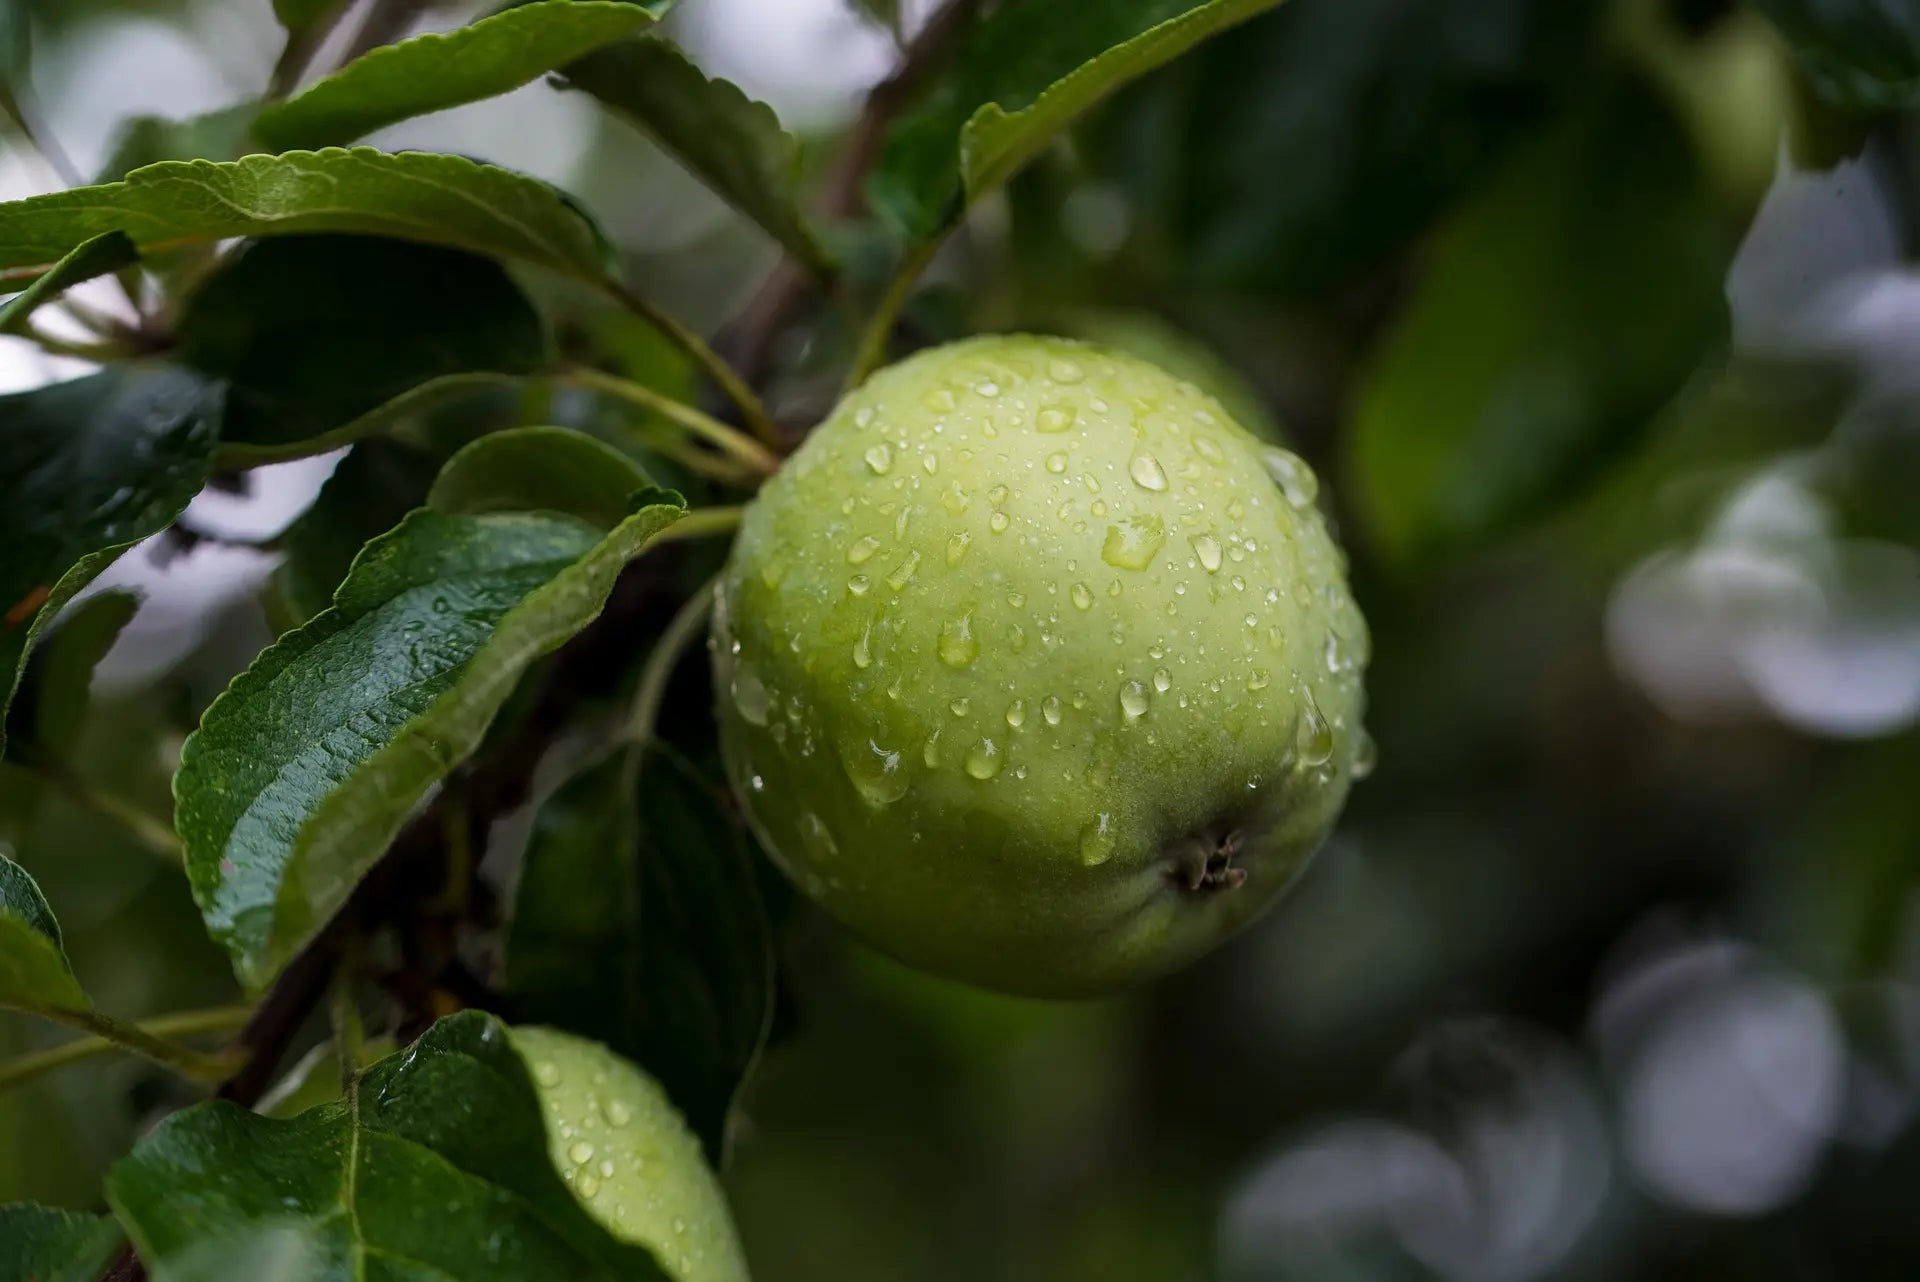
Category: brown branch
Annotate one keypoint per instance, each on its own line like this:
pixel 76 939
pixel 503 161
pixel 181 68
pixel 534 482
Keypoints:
pixel 842 191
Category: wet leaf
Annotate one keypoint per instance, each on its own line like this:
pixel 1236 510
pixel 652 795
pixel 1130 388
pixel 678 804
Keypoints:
pixel 539 469
pixel 34 975
pixel 40 1244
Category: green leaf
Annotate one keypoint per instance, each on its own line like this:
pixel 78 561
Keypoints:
pixel 97 257
pixel 553 469
pixel 432 397
pixel 377 319
pixel 729 141
pixel 226 134
pixel 40 1244
pixel 1378 113
pixel 1862 54
pixel 436 1165
pixel 668 958
pixel 1024 75
pixel 436 71
pixel 376 485
pixel 305 769
pixel 1564 307
pixel 56 689
pixel 34 975
pixel 438 200
pixel 94 466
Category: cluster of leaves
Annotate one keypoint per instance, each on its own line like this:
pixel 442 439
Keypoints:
pixel 326 806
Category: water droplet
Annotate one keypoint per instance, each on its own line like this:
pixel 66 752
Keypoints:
pixel 940 400
pixel 1209 449
pixel 581 1153
pixel 863 649
pixel 1366 753
pixel 1016 599
pixel 1132 543
pixel 859 584
pixel 955 499
pixel 903 573
pixel 813 831
pixel 1017 713
pixel 876 773
pixel 879 458
pixel 588 1185
pixel 547 1074
pixel 988 389
pixel 1050 709
pixel 1056 418
pixel 618 1114
pixel 1259 679
pixel 1147 473
pixel 1162 680
pixel 997 495
pixel 1291 473
pixel 863 416
pixel 1082 596
pixel 983 759
pixel 862 550
pixel 997 522
pixel 1336 653
pixel 930 462
pixel 930 751
pixel 1133 700
pixel 750 694
pixel 1098 841
pixel 1017 638
pixel 1315 736
pixel 1207 548
pixel 1056 462
pixel 958 646
pixel 1239 583
pixel 958 707
pixel 773 572
pixel 1065 371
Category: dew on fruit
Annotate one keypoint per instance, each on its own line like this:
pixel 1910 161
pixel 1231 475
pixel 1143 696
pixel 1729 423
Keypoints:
pixel 958 707
pixel 1050 709
pixel 983 759
pixel 930 751
pixel 862 550
pixel 546 1073
pixel 1017 713
pixel 1292 475
pixel 863 648
pixel 1132 543
pixel 1366 754
pixel 955 500
pixel 958 645
pixel 1082 596
pixel 930 463
pixel 858 584
pixel 957 547
pixel 580 1153
pixel 1098 841
pixel 1162 680
pixel 1055 419
pixel 1147 473
pixel 813 831
pixel 750 694
pixel 1315 735
pixel 1056 462
pixel 1207 548
pixel 1133 700
pixel 903 573
pixel 940 400
pixel 1259 679
pixel 1207 448
pixel 879 458
pixel 876 773
pixel 997 522
pixel 1065 371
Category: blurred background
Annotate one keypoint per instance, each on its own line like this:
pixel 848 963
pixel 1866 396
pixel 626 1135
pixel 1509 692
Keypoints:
pixel 1600 321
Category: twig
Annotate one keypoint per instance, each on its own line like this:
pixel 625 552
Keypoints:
pixel 151 831
pixel 735 388
pixel 386 20
pixel 876 338
pixel 842 192
pixel 131 1037
pixel 686 626
pixel 219 1019
pixel 24 110
pixel 300 48
pixel 734 444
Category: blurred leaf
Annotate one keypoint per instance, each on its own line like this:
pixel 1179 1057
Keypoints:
pixel 1370 116
pixel 667 957
pixel 1023 75
pixel 1863 54
pixel 434 396
pixel 40 1244
pixel 436 71
pixel 34 975
pixel 376 485
pixel 553 469
pixel 885 13
pixel 297 14
pixel 302 772
pixel 729 141
pixel 97 257
pixel 94 466
pixel 16 40
pixel 55 690
pixel 1565 305
pixel 438 200
pixel 437 1164
pixel 226 134
pixel 377 319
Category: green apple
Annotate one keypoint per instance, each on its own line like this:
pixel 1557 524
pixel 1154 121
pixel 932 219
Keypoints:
pixel 1036 670
pixel 629 1157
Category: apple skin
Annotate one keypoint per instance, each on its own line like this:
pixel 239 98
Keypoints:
pixel 631 1160
pixel 1036 670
